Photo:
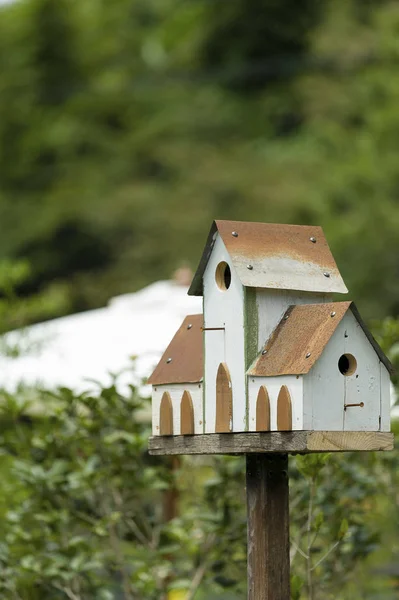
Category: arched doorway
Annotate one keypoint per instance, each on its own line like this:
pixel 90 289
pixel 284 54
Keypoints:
pixel 186 414
pixel 166 415
pixel 224 400
pixel 284 410
pixel 263 410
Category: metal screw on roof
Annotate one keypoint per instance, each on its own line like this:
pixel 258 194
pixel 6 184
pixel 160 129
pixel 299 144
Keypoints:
pixel 313 240
pixel 308 354
pixel 333 313
pixel 326 274
pixel 264 351
pixel 286 317
pixel 189 326
pixel 249 267
pixel 234 234
pixel 169 360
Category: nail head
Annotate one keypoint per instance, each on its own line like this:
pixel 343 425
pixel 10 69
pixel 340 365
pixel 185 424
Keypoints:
pixel 308 355
pixel 234 234
pixel 326 274
pixel 313 240
pixel 333 313
pixel 249 267
pixel 189 326
pixel 264 351
pixel 169 360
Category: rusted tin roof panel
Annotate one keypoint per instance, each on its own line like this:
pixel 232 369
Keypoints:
pixel 182 361
pixel 268 255
pixel 301 336
pixel 299 339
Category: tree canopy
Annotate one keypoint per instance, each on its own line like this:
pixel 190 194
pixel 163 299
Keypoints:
pixel 126 127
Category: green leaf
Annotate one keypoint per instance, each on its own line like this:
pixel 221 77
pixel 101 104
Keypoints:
pixel 297 584
pixel 343 530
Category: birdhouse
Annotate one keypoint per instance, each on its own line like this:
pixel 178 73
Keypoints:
pixel 271 351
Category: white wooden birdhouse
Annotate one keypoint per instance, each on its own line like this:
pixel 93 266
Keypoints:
pixel 271 352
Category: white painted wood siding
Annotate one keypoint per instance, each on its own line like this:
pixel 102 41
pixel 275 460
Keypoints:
pixel 214 348
pixel 176 392
pixel 365 384
pixel 272 305
pixel 324 387
pixel 224 309
pixel 273 386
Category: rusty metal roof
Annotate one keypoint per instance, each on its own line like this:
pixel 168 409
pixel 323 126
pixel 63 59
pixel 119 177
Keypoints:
pixel 182 361
pixel 301 336
pixel 290 257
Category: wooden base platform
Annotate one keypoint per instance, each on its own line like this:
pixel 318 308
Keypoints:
pixel 291 442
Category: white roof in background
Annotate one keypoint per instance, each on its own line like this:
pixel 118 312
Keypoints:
pixel 72 351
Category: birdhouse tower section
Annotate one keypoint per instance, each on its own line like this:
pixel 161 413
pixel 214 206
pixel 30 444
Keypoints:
pixel 248 275
pixel 224 343
pixel 177 383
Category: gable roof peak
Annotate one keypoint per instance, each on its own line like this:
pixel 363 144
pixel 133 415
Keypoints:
pixel 290 257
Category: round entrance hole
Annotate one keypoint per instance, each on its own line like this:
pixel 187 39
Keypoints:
pixel 223 276
pixel 347 364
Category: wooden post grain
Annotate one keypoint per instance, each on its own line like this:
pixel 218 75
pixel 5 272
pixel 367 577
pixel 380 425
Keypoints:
pixel 268 527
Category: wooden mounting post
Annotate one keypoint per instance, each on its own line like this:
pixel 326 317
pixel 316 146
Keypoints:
pixel 268 527
pixel 267 488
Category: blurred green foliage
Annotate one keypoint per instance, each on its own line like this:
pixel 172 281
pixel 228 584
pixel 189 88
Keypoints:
pixel 126 127
pixel 17 310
